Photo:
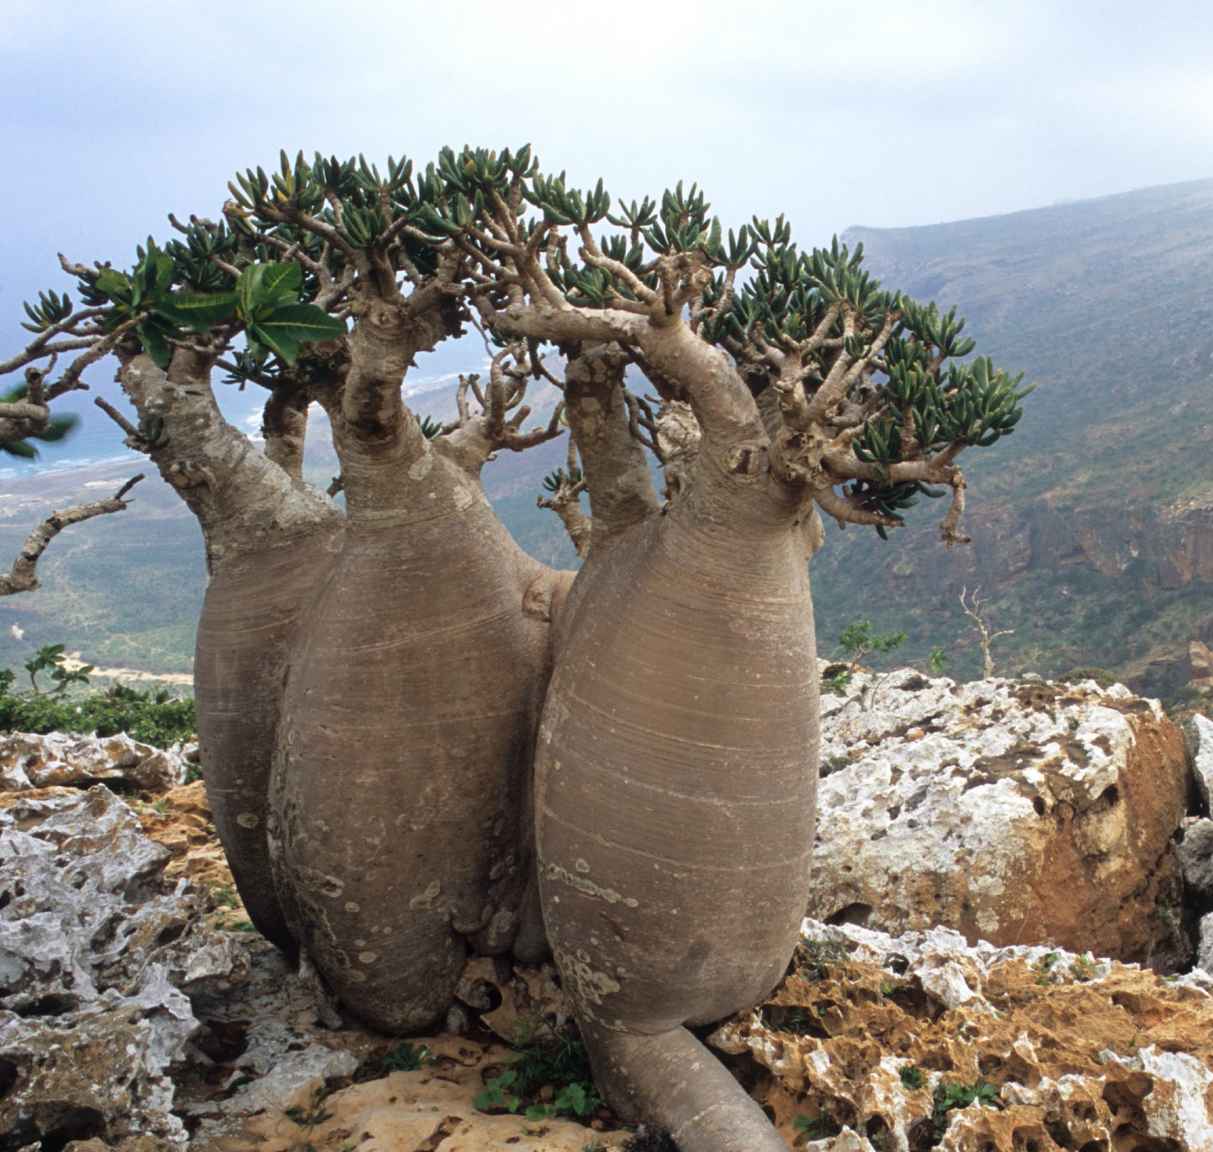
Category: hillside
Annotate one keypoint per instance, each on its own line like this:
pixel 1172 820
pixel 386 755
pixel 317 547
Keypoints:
pixel 1092 525
pixel 126 589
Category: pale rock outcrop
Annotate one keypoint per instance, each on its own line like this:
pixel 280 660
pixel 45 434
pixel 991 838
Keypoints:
pixel 871 1037
pixel 1013 811
pixel 1204 952
pixel 128 1020
pixel 28 760
pixel 1195 853
pixel 98 953
pixel 431 1108
pixel 1199 732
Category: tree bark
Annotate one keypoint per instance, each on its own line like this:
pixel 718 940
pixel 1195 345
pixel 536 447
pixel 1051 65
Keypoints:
pixel 616 471
pixel 675 783
pixel 270 542
pixel 401 787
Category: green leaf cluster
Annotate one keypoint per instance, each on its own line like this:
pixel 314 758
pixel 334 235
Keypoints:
pixel 145 297
pixel 913 1077
pixel 950 1096
pixel 267 301
pixel 554 481
pixel 406 1057
pixel 52 658
pixel 52 308
pixel 859 640
pixel 561 1064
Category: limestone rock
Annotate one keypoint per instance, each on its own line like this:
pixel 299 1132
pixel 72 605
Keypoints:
pixel 431 1108
pixel 1196 861
pixel 1011 811
pixel 876 1042
pixel 58 759
pixel 1204 954
pixel 1199 731
pixel 180 820
pixel 98 1071
pixel 98 951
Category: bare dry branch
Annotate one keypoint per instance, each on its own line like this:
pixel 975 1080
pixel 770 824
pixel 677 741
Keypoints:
pixel 23 576
pixel 974 609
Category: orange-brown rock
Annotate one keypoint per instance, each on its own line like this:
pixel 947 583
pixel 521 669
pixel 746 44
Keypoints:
pixel 428 1110
pixel 871 1036
pixel 1015 812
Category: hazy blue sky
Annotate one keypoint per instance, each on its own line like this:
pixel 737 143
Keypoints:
pixel 883 113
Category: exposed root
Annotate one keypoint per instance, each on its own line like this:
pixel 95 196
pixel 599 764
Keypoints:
pixel 673 1082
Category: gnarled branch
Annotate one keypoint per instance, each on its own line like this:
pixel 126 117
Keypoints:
pixel 23 575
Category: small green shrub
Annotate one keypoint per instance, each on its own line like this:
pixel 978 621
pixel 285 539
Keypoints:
pixel 153 716
pixel 949 1097
pixel 408 1057
pixel 913 1078
pixel 816 1127
pixel 561 1064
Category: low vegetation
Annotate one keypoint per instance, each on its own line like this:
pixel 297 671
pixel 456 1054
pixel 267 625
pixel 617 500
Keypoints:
pixel 548 1079
pixel 61 702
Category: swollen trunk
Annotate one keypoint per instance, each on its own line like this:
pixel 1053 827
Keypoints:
pixel 400 802
pixel 250 621
pixel 676 773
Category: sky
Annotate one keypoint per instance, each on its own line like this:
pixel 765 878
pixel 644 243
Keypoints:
pixel 886 114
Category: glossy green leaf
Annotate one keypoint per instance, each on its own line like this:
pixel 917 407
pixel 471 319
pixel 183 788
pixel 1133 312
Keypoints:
pixel 155 344
pixel 198 310
pixel 286 329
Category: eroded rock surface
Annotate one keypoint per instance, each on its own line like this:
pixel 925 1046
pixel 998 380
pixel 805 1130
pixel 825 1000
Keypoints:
pixel 1196 862
pixel 138 1012
pixel 1199 732
pixel 431 1108
pixel 1012 811
pixel 98 952
pixel 58 759
pixel 876 1043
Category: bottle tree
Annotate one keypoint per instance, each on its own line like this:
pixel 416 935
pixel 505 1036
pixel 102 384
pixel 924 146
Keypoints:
pixel 375 683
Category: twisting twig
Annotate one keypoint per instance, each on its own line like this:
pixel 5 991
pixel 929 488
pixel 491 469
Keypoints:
pixel 23 576
pixel 565 501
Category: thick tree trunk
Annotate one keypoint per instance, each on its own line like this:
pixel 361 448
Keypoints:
pixel 676 775
pixel 400 793
pixel 270 542
pixel 255 605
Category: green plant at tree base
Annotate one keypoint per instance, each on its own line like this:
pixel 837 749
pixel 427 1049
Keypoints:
pixel 561 1064
pixel 154 717
pixel 408 1057
pixel 816 1127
